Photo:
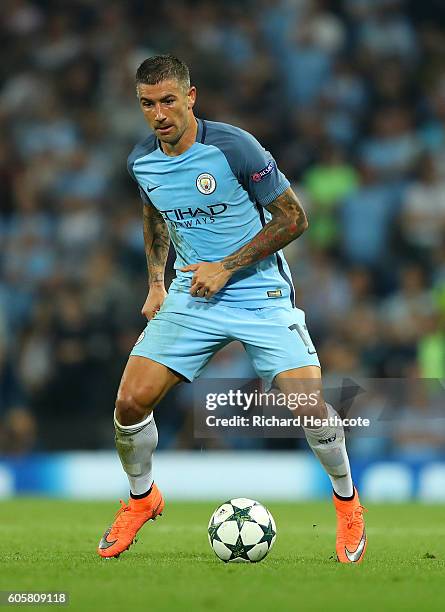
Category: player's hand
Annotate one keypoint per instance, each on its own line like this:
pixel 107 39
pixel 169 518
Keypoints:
pixel 208 278
pixel 154 301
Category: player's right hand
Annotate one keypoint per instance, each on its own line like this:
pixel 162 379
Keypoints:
pixel 154 301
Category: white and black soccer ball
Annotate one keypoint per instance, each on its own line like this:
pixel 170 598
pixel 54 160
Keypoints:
pixel 242 530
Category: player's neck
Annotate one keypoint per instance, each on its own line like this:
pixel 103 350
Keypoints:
pixel 186 141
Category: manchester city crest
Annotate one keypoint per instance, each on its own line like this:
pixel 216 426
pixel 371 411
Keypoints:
pixel 206 183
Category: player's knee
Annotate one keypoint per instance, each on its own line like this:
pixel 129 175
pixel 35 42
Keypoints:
pixel 316 410
pixel 130 411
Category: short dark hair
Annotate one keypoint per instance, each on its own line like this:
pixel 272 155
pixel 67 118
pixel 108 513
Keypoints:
pixel 161 68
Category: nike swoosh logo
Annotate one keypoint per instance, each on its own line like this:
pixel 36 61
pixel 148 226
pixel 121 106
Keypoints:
pixel 104 543
pixel 153 188
pixel 355 556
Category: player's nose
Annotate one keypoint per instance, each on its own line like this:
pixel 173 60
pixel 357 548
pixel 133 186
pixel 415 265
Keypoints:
pixel 159 115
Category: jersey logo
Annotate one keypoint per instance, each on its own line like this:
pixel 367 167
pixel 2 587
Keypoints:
pixel 153 188
pixel 258 176
pixel 206 183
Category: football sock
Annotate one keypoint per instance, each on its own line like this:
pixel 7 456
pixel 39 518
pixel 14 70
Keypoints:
pixel 328 445
pixel 136 445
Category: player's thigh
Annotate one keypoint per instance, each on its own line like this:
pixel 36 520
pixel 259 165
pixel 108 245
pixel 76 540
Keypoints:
pixel 144 383
pixel 288 379
pixel 183 336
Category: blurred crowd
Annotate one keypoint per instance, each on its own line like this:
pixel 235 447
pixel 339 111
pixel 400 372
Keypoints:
pixel 348 95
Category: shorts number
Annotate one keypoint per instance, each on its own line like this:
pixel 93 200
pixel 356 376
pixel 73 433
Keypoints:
pixel 304 335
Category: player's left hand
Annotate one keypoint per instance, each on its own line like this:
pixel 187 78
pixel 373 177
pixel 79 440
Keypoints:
pixel 208 278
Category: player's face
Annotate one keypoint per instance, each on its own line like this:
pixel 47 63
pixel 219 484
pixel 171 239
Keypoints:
pixel 167 108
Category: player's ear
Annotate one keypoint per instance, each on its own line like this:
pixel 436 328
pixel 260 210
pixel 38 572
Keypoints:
pixel 191 97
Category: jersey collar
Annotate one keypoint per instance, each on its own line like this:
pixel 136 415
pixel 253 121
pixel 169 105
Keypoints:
pixel 201 132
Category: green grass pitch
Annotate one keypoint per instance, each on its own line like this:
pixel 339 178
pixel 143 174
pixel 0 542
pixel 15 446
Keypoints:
pixel 49 545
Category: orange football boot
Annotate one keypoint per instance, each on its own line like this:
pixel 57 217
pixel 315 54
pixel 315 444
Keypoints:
pixel 127 522
pixel 351 535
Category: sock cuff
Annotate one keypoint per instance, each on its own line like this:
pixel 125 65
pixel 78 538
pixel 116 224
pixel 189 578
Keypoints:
pixel 131 429
pixel 343 498
pixel 142 495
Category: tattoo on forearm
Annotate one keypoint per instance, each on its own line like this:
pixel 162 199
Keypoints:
pixel 157 243
pixel 287 223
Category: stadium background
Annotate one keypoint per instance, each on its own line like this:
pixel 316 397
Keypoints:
pixel 349 96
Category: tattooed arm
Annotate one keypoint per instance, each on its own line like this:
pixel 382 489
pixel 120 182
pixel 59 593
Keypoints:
pixel 288 222
pixel 157 243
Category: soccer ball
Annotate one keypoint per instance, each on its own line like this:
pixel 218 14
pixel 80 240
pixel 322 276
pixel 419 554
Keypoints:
pixel 241 530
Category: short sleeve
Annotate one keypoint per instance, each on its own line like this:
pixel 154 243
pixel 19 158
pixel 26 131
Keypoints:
pixel 142 149
pixel 144 197
pixel 258 172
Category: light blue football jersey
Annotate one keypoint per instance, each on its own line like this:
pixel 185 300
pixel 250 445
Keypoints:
pixel 212 198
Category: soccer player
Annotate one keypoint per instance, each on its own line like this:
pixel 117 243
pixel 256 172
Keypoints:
pixel 214 192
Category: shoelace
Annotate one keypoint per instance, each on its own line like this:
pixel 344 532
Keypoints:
pixel 355 516
pixel 122 522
